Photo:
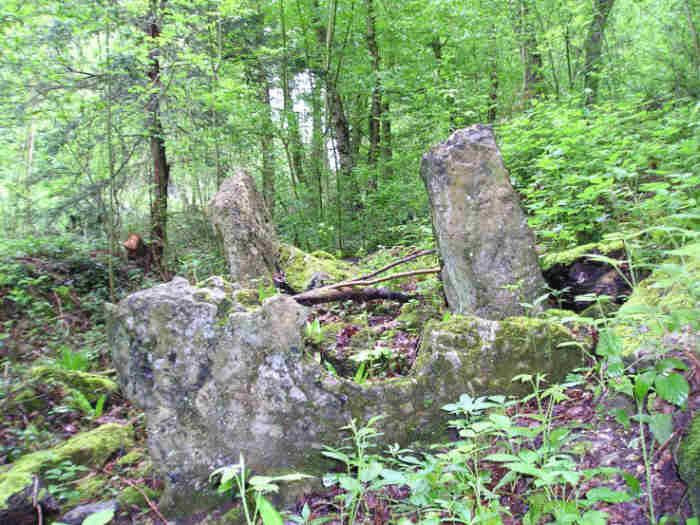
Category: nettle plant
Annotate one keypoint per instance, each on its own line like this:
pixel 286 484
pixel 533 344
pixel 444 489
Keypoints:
pixel 583 175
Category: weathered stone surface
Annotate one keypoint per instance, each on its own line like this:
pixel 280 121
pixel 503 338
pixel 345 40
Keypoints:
pixel 483 356
pixel 490 264
pixel 238 213
pixel 217 379
pixel 77 515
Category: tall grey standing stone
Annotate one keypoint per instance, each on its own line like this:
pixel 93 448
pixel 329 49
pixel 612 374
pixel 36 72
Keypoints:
pixel 489 260
pixel 238 213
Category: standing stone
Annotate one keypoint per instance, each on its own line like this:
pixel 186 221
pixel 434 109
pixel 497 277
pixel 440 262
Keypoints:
pixel 238 213
pixel 489 261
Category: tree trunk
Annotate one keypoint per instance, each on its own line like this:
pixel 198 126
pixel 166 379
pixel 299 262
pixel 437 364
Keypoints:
pixel 386 142
pixel 593 48
pixel 266 141
pixel 693 31
pixel 376 106
pixel 293 140
pixel 317 146
pixel 533 79
pixel 161 169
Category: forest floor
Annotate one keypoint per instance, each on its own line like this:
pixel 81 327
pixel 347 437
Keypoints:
pixel 54 319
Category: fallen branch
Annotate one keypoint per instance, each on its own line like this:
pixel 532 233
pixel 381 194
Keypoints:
pixel 406 259
pixel 345 293
pixel 382 279
pixel 356 291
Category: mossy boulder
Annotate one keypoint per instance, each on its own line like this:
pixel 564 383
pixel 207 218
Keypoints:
pixel 92 386
pixel 299 267
pixel 91 448
pixel 91 487
pixel 689 463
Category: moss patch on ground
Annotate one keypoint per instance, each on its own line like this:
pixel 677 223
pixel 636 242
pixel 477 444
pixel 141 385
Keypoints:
pixel 92 386
pixel 91 448
pixel 299 266
pixel 567 257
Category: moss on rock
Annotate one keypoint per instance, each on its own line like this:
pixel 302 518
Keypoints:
pixel 91 448
pixel 134 495
pixel 567 257
pixel 299 266
pixel 91 385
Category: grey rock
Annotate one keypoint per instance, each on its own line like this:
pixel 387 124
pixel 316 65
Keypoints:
pixel 238 213
pixel 217 380
pixel 489 260
pixel 79 513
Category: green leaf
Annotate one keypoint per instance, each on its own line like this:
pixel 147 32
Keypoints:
pixel 607 495
pixel 670 363
pixel 642 385
pixel 661 426
pixel 269 514
pixel 99 518
pixel 622 417
pixel 594 517
pixel 501 457
pixel 350 484
pixel 370 472
pixel 635 487
pixel 673 388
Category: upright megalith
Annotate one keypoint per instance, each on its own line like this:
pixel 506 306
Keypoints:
pixel 251 243
pixel 489 260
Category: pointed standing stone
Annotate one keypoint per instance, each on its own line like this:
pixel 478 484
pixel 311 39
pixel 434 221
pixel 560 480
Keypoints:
pixel 238 213
pixel 489 260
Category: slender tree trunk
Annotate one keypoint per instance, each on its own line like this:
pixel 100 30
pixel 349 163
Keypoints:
pixel 386 143
pixel 26 225
pixel 593 49
pixel 110 160
pixel 268 165
pixel 293 141
pixel 376 104
pixel 693 31
pixel 533 79
pixel 567 42
pixel 161 169
pixel 317 145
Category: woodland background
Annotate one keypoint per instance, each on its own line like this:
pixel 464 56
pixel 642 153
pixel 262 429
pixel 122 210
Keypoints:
pixel 122 117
